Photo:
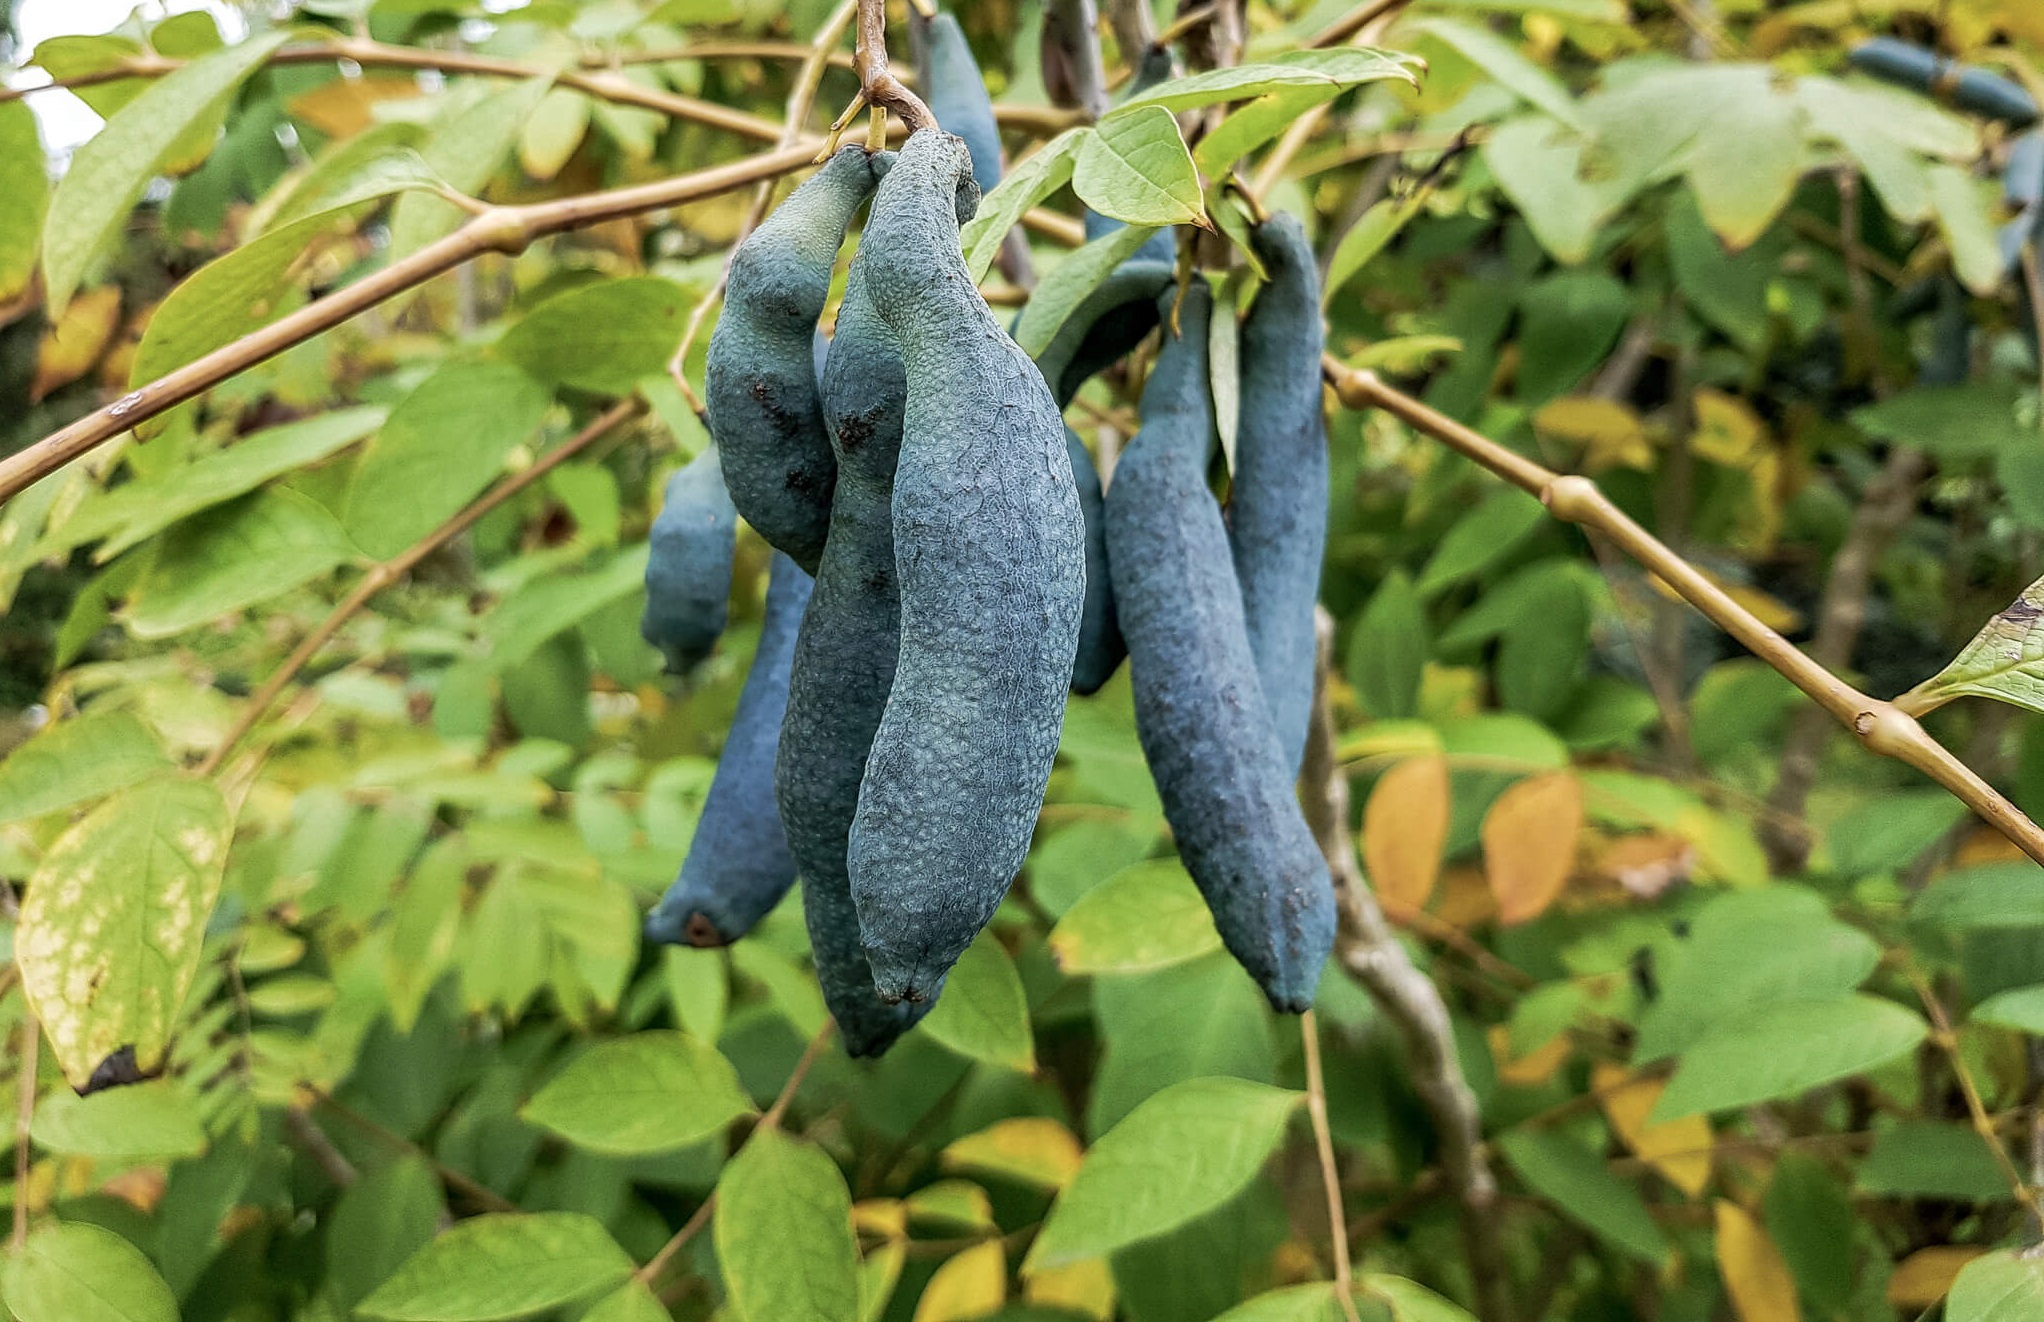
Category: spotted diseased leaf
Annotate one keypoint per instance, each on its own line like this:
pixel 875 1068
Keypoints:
pixel 1135 168
pixel 1405 825
pixel 2005 661
pixel 1529 843
pixel 114 919
pixel 78 760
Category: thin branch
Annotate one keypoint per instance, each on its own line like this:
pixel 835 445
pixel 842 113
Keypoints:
pixel 1369 952
pixel 1983 1124
pixel 1348 25
pixel 482 1195
pixel 771 1120
pixel 24 1117
pixel 1365 26
pixel 390 571
pixel 307 1134
pixel 1880 726
pixel 877 84
pixel 1330 1174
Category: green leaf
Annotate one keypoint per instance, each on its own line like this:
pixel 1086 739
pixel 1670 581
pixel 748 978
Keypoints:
pixel 1745 952
pixel 1965 210
pixel 502 1265
pixel 25 183
pixel 984 1012
pixel 1410 1301
pixel 75 761
pixel 1134 167
pixel 1387 652
pixel 2004 1286
pixel 2020 1008
pixel 1887 131
pixel 108 174
pixel 443 444
pixel 549 606
pixel 651 1092
pixel 1312 1302
pixel 1985 895
pixel 1539 163
pixel 1343 69
pixel 148 1120
pixel 378 1223
pixel 1481 538
pixel 116 912
pixel 1183 1152
pixel 2005 661
pixel 634 1303
pixel 601 337
pixel 465 149
pixel 784 1233
pixel 374 164
pixel 1200 1019
pixel 1951 423
pixel 1051 304
pixel 139 510
pixel 1578 1183
pixel 234 556
pixel 73 1271
pixel 1503 61
pixel 1786 1050
pixel 1920 1159
pixel 1811 1219
pixel 1027 183
pixel 1890 830
pixel 1369 236
pixel 1147 916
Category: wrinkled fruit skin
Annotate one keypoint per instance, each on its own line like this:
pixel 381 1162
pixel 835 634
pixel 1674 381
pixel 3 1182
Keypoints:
pixel 844 667
pixel 739 866
pixel 761 391
pixel 1206 731
pixel 688 570
pixel 1101 648
pixel 957 94
pixel 990 557
pixel 1277 515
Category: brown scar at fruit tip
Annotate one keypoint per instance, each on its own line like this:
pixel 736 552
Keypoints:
pixel 701 932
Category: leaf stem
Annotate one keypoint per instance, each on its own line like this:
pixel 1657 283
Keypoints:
pixel 1976 1110
pixel 1882 727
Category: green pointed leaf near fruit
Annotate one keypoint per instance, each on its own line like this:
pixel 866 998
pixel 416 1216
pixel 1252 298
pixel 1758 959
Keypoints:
pixel 1146 916
pixel 1070 281
pixel 114 918
pixel 2005 661
pixel 784 1233
pixel 74 1271
pixel 1302 69
pixel 2004 1286
pixel 601 337
pixel 1031 180
pixel 1581 1187
pixel 108 175
pixel 1135 168
pixel 76 761
pixel 1181 1153
pixel 1786 1050
pixel 984 1011
pixel 234 556
pixel 440 447
pixel 502 1265
pixel 650 1092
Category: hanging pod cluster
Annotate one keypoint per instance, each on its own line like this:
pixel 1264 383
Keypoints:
pixel 950 564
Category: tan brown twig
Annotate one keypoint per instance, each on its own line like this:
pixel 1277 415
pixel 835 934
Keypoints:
pixel 1330 1174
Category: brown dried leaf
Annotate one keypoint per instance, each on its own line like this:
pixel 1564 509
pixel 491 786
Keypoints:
pixel 1529 843
pixel 1405 825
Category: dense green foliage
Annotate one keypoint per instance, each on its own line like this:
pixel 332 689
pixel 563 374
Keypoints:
pixel 1748 1016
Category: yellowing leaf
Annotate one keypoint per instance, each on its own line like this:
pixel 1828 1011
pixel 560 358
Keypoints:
pixel 1611 434
pixel 972 1284
pixel 1085 1287
pixel 1679 1150
pixel 1529 843
pixel 1926 1276
pixel 1728 431
pixel 1532 1069
pixel 1755 1275
pixel 885 1217
pixel 958 1204
pixel 346 106
pixel 74 344
pixel 1033 1150
pixel 1405 826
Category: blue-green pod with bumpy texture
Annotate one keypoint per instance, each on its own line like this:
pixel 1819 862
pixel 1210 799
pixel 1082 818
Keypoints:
pixel 990 556
pixel 1277 514
pixel 1200 715
pixel 738 865
pixel 760 385
pixel 956 92
pixel 1101 648
pixel 1105 326
pixel 844 667
pixel 1156 65
pixel 688 568
pixel 1965 87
